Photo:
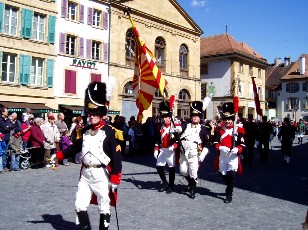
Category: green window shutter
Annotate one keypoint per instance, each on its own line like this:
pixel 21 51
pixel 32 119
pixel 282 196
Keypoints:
pixel 21 72
pixel 49 75
pixel 26 23
pixel 51 29
pixel 26 69
pixel 1 16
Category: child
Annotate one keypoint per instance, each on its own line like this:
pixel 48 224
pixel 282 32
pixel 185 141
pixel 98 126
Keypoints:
pixel 16 145
pixel 64 144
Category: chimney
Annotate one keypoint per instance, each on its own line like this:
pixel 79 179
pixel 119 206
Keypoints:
pixel 277 61
pixel 302 66
pixel 287 61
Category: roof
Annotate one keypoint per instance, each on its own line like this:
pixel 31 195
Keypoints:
pixel 273 74
pixel 294 72
pixel 225 44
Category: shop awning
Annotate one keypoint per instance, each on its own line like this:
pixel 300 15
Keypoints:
pixel 76 109
pixel 21 106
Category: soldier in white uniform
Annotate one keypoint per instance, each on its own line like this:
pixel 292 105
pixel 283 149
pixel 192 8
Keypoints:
pixel 194 141
pixel 100 156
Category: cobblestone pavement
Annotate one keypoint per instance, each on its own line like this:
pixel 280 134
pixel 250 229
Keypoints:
pixel 271 196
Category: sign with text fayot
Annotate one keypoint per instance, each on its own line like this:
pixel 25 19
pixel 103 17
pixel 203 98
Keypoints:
pixel 84 63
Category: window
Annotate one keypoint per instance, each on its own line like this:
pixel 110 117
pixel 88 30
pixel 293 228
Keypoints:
pixel 184 95
pixel 128 88
pixel 157 94
pixel 70 45
pixel 204 69
pixel 259 73
pixel 203 90
pixel 305 103
pixel 241 89
pixel 38 32
pixel 70 81
pixel 97 18
pixel 72 11
pixel 260 93
pixel 96 77
pixel 10 20
pixel 305 86
pixel 183 57
pixel 96 50
pixel 241 67
pixel 130 47
pixel 251 93
pixel 292 87
pixel 291 103
pixel 250 71
pixel 160 51
pixel 36 71
pixel 9 67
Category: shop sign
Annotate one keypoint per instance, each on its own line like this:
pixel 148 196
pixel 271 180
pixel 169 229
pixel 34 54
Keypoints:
pixel 84 63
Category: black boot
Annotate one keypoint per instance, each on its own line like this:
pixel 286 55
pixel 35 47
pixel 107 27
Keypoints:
pixel 230 179
pixel 84 220
pixel 192 188
pixel 171 180
pixel 162 175
pixel 104 221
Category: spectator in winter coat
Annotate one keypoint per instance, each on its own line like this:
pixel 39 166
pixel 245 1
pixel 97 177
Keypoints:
pixel 64 144
pixel 15 144
pixel 25 130
pixel 37 141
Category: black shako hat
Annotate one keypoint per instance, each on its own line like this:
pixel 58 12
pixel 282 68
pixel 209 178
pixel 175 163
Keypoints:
pixel 164 109
pixel 95 99
pixel 228 111
pixel 196 108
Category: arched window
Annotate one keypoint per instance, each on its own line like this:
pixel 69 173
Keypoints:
pixel 160 46
pixel 128 88
pixel 184 95
pixel 158 95
pixel 183 60
pixel 130 47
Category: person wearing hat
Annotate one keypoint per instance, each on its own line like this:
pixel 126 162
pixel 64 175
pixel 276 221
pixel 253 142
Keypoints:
pixel 265 130
pixel 286 135
pixel 194 141
pixel 251 132
pixel 301 130
pixel 229 143
pixel 100 156
pixel 165 145
pixel 15 144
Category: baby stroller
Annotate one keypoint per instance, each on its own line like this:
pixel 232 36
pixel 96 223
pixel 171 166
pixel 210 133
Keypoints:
pixel 24 158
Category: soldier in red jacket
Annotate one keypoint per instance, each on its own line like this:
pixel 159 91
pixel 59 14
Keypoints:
pixel 229 141
pixel 100 156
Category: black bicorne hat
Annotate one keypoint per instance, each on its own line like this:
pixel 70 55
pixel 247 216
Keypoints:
pixel 95 99
pixel 196 108
pixel 164 109
pixel 228 110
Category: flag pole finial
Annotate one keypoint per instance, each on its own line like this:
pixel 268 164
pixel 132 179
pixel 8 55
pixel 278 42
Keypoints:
pixel 127 10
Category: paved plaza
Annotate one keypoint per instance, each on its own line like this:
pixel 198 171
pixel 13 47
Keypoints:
pixel 272 196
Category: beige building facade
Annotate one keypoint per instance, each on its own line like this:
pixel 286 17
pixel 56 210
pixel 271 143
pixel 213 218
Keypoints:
pixel 27 53
pixel 172 36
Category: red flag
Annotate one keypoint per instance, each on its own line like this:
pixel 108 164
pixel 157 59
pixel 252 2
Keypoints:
pixel 256 96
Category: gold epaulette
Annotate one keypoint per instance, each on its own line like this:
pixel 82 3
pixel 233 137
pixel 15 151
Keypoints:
pixel 78 134
pixel 118 133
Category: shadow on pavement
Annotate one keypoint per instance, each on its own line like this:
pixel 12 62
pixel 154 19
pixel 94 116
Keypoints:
pixel 57 222
pixel 275 178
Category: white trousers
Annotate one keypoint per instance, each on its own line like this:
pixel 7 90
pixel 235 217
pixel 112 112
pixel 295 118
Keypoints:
pixel 93 180
pixel 166 156
pixel 189 165
pixel 227 162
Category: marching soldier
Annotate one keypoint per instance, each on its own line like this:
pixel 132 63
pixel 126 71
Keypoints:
pixel 229 143
pixel 164 150
pixel 100 156
pixel 251 133
pixel 286 135
pixel 194 140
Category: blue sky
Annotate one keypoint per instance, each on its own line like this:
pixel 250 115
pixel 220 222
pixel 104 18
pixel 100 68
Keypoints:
pixel 273 28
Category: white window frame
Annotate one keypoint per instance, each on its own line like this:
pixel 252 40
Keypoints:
pixel 241 89
pixel 97 18
pixel 251 93
pixel 11 60
pixel 96 50
pixel 35 77
pixel 291 102
pixel 70 44
pixel 293 88
pixel 38 27
pixel 72 11
pixel 8 19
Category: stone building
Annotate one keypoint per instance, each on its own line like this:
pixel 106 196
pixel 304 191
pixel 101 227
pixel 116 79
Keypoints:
pixel 174 39
pixel 226 70
pixel 27 54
